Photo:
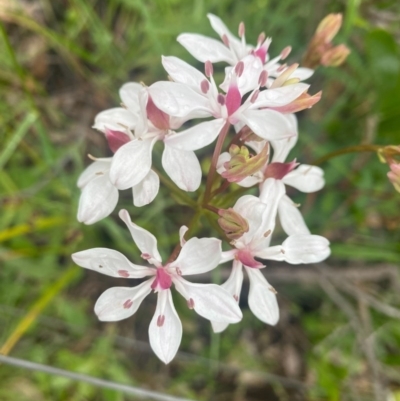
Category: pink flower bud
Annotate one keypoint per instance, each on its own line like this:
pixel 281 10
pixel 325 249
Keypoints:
pixel 232 223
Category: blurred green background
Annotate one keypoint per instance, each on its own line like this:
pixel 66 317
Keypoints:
pixel 61 63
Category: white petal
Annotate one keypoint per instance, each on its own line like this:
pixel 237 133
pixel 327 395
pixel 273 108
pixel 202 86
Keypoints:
pixel 205 49
pixel 93 171
pixel 182 72
pixel 119 303
pixel 234 286
pixel 183 168
pixel 196 137
pixel 147 189
pixel 131 163
pixel 284 146
pixel 144 240
pixel 267 124
pixel 129 94
pixel 279 96
pixel 111 263
pixel 210 301
pixel 302 248
pixel 166 338
pixel 98 199
pixel 117 119
pixel 302 73
pixel 290 217
pixel 198 256
pixel 182 231
pixel 262 298
pixel 305 178
pixel 179 100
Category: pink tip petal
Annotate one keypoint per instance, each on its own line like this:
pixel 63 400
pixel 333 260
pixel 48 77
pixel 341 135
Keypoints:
pixel 158 118
pixel 233 98
pixel 278 170
pixel 116 139
pixel 248 259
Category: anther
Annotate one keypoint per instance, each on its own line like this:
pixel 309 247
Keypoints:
pixel 241 30
pixel 261 38
pixel 239 68
pixel 221 99
pixel 262 79
pixel 178 271
pixel 145 256
pixel 281 67
pixel 208 68
pixel 285 52
pixel 273 290
pixel 123 273
pixel 236 298
pixel 254 96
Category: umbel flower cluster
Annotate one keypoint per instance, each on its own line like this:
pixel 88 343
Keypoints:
pixel 250 118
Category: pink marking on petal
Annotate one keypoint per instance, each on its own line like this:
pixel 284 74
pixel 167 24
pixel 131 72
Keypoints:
pixel 225 40
pixel 163 280
pixel 261 53
pixel 116 139
pixel 123 273
pixel 278 170
pixel 145 256
pixel 127 304
pixel 190 303
pixel 158 118
pixel 204 86
pixel 233 98
pixel 245 256
pixel 236 298
pixel 160 320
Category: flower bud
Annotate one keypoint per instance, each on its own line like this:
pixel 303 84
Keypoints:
pixel 394 175
pixel 232 223
pixel 335 56
pixel 242 164
pixel 329 27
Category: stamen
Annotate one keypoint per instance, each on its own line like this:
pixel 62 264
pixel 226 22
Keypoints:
pixel 254 96
pixel 190 303
pixel 123 273
pixel 241 30
pixel 145 256
pixel 236 298
pixel 285 52
pixel 281 67
pixel 262 80
pixel 91 157
pixel 127 304
pixel 178 271
pixel 208 68
pixel 283 251
pixel 239 68
pixel 205 86
pixel 160 320
pixel 267 233
pixel 221 99
pixel 261 38
pixel 225 40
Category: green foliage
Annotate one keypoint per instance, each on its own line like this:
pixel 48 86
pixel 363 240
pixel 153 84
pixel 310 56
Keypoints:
pixel 62 64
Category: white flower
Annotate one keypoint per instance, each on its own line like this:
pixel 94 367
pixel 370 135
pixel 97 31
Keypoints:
pixel 299 248
pixel 165 331
pixel 303 177
pixel 192 95
pixel 232 50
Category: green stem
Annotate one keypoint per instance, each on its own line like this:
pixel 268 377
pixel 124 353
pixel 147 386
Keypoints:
pixel 343 151
pixel 214 160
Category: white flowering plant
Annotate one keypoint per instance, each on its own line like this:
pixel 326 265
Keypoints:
pixel 249 119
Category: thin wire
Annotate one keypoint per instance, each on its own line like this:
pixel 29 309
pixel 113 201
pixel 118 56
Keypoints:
pixel 146 394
